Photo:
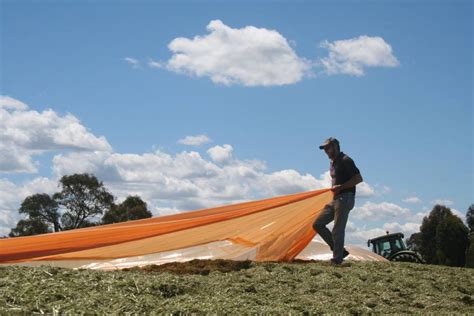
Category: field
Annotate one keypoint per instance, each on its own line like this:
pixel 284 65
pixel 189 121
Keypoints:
pixel 229 286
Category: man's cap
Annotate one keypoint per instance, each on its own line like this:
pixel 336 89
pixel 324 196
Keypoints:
pixel 330 140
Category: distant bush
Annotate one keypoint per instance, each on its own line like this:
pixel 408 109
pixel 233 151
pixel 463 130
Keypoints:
pixel 132 208
pixel 443 238
pixel 470 252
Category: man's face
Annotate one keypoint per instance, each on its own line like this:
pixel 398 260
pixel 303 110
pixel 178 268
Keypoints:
pixel 331 151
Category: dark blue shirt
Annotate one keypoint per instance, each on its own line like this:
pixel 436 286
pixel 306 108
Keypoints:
pixel 342 169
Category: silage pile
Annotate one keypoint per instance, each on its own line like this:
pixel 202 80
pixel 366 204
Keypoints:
pixel 240 286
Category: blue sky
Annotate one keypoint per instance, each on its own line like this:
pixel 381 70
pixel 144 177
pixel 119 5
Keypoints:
pixel 408 125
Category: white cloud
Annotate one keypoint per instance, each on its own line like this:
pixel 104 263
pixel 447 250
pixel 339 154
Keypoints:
pixel 13 194
pixel 248 56
pixel 444 202
pixel 462 216
pixel 196 140
pixel 7 102
pixel 91 162
pixel 290 181
pixel 375 211
pixel 412 199
pixel 168 183
pixel 179 182
pixel 385 217
pixel 257 56
pixel 155 64
pixel 132 61
pixel 221 154
pixel 364 190
pixel 407 228
pixel 186 180
pixel 352 56
pixel 25 133
pixel 375 219
pixel 358 233
pixel 386 189
pixel 418 217
pixel 16 159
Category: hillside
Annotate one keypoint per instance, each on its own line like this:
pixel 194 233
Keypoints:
pixel 230 286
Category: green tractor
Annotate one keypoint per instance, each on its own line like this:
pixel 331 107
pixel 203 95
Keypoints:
pixel 392 247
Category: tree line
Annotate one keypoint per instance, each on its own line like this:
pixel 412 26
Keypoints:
pixel 444 239
pixel 82 201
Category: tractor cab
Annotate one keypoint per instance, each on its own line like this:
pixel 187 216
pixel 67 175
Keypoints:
pixel 387 245
pixel 392 247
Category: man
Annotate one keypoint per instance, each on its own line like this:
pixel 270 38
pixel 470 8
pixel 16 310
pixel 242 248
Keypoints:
pixel 345 176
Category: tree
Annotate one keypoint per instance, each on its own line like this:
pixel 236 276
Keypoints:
pixel 428 232
pixel 470 248
pixel 29 227
pixel 41 212
pixel 451 242
pixel 43 208
pixel 67 220
pixel 470 217
pixel 442 237
pixel 414 242
pixel 470 252
pixel 83 196
pixel 132 208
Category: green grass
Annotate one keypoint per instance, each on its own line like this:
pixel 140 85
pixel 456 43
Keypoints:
pixel 356 287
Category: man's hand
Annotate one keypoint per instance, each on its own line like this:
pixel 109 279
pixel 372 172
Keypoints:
pixel 336 188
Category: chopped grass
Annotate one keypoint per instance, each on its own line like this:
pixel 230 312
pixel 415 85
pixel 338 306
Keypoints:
pixel 203 267
pixel 240 287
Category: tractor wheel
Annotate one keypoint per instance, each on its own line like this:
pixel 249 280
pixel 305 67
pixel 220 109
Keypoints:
pixel 406 257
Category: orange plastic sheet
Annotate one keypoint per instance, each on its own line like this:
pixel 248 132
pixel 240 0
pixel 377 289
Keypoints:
pixel 275 229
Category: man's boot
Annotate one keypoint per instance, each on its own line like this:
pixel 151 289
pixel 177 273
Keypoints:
pixel 344 254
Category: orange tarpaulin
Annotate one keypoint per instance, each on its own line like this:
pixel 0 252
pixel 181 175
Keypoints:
pixel 277 228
